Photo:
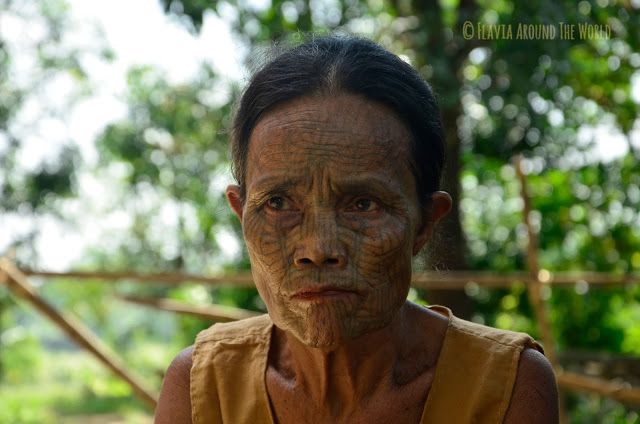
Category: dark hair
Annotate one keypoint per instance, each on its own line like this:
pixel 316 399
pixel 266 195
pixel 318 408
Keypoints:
pixel 348 64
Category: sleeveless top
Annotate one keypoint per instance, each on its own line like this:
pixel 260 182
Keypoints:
pixel 474 376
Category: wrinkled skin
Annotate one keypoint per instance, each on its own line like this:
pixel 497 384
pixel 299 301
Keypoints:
pixel 331 204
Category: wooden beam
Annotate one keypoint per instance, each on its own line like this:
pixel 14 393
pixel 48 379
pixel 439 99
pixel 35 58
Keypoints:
pixel 243 280
pixel 439 280
pixel 618 390
pixel 536 282
pixel 501 280
pixel 75 330
pixel 211 312
pixel 535 287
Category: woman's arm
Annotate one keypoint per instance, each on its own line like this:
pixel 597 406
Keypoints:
pixel 174 405
pixel 535 396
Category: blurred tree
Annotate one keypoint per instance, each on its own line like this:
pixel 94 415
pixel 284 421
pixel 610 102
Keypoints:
pixel 32 182
pixel 171 154
pixel 169 157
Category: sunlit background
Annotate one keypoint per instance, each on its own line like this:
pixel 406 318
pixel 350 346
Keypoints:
pixel 114 120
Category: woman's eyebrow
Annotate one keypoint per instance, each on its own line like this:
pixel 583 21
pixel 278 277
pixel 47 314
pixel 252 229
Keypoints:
pixel 362 183
pixel 368 183
pixel 274 183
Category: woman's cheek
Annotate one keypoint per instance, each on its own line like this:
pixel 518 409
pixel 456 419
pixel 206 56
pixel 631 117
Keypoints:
pixel 385 249
pixel 262 241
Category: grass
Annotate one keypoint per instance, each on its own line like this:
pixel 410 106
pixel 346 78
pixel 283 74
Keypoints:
pixel 69 387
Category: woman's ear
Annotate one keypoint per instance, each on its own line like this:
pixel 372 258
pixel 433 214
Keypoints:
pixel 439 207
pixel 234 198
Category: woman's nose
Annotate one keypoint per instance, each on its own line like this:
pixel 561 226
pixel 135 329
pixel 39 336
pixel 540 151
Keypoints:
pixel 311 257
pixel 319 244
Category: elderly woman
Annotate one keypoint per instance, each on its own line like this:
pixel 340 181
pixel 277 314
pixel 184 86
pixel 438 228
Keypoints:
pixel 337 151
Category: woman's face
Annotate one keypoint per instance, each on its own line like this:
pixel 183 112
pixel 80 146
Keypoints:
pixel 331 216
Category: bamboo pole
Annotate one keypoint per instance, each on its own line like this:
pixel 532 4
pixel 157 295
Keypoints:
pixel 3 281
pixel 535 282
pixel 491 279
pixel 242 280
pixel 534 288
pixel 21 287
pixel 618 390
pixel 213 312
pixel 429 280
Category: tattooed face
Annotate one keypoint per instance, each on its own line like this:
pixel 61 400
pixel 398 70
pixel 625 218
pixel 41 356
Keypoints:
pixel 330 216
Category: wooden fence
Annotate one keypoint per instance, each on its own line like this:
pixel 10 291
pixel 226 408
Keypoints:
pixel 535 279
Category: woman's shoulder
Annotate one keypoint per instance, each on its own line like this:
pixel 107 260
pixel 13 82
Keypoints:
pixel 258 327
pixel 535 393
pixel 174 403
pixel 489 365
pixel 491 335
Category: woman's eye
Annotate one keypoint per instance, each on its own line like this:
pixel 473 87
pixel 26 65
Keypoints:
pixel 365 205
pixel 277 203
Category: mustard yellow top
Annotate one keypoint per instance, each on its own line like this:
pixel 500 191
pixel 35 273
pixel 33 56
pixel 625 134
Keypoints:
pixel 473 379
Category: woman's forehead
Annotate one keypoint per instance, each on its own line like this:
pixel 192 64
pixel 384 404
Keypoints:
pixel 346 130
pixel 345 112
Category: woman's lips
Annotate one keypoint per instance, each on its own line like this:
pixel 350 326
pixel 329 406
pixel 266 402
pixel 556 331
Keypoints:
pixel 329 293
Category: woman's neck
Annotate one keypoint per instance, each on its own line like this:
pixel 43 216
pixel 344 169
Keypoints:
pixel 352 372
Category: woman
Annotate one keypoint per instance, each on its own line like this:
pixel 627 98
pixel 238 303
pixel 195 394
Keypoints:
pixel 337 151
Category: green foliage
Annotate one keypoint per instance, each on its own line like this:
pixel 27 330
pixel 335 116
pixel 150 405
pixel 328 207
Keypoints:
pixel 75 386
pixel 587 220
pixel 591 408
pixel 29 188
pixel 21 357
pixel 30 408
pixel 172 149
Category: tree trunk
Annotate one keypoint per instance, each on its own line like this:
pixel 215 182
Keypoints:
pixel 447 250
pixel 446 55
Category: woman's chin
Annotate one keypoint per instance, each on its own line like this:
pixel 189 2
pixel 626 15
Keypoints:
pixel 329 336
pixel 325 337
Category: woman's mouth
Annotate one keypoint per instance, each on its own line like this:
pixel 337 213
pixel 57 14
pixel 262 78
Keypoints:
pixel 323 293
